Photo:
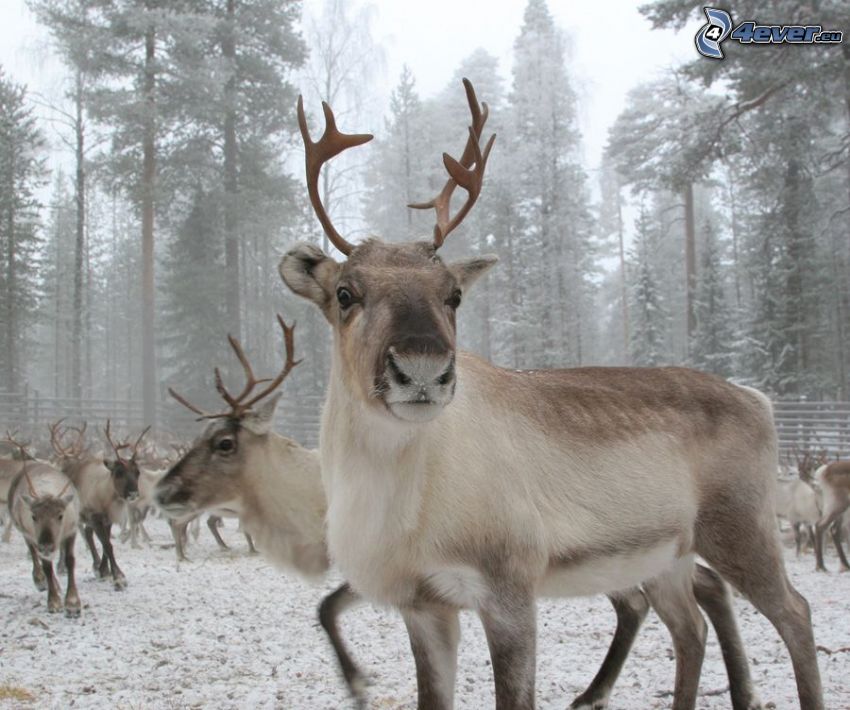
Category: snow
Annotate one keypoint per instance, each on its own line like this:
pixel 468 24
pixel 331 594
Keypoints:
pixel 227 630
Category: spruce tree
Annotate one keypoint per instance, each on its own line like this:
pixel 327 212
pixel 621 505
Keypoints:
pixel 648 315
pixel 22 174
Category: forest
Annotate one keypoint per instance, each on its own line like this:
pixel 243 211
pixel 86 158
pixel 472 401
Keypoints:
pixel 714 233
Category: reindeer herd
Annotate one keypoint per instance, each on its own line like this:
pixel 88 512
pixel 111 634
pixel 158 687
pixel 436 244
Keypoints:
pixel 445 483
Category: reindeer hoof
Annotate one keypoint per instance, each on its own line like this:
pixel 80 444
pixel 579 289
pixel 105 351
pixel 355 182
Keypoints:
pixel 844 568
pixel 72 611
pixel 120 584
pixel 54 606
pixel 586 703
pixel 40 585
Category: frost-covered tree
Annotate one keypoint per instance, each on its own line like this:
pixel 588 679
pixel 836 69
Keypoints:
pixel 22 174
pixel 194 304
pixel 712 345
pixel 394 177
pixel 553 242
pixel 648 314
pixel 72 27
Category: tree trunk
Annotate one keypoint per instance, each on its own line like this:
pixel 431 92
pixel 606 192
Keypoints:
pixel 13 381
pixel 231 186
pixel 624 297
pixel 148 196
pixel 690 261
pixel 79 245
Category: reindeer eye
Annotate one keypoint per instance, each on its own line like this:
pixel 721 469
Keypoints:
pixel 453 301
pixel 345 297
pixel 226 445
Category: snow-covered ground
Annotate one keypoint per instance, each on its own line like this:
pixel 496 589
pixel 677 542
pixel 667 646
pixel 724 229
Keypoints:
pixel 226 630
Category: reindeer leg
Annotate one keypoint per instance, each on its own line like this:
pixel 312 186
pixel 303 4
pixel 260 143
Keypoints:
pixel 631 607
pixel 37 571
pixel 330 608
pixel 103 530
pixel 672 597
pixel 712 594
pixel 835 532
pixel 434 633
pixel 798 537
pixel 213 521
pixel 88 533
pixel 145 537
pixel 54 600
pixel 72 598
pixel 7 532
pixel 178 532
pixel 821 527
pixel 251 549
pixel 510 625
pixel 749 557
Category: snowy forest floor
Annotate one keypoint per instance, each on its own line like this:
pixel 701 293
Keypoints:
pixel 227 630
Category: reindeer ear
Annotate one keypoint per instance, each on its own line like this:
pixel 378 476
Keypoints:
pixel 310 273
pixel 468 271
pixel 27 499
pixel 259 421
pixel 109 463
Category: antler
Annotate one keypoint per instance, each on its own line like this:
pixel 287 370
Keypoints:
pixel 25 457
pixel 22 448
pixel 117 448
pixel 239 404
pixel 139 440
pixel 461 172
pixel 57 434
pixel 56 438
pixel 316 154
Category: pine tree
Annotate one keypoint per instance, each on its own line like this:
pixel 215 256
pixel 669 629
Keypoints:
pixel 648 316
pixel 22 174
pixel 194 304
pixel 553 244
pixel 73 30
pixel 712 344
pixel 394 177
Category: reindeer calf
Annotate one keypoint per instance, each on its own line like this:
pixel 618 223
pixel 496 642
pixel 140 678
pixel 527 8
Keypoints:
pixel 44 507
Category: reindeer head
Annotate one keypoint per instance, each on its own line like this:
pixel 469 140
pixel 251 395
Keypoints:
pixel 43 519
pixel 208 475
pixel 392 306
pixel 124 470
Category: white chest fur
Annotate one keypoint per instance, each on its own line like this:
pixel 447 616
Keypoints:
pixel 373 518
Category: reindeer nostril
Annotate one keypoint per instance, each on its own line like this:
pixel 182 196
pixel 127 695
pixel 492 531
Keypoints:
pixel 448 376
pixel 396 371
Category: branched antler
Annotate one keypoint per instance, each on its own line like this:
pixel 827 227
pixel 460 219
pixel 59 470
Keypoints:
pixel 242 402
pixel 461 172
pixel 316 154
pixel 57 435
pixel 11 438
pixel 120 446
pixel 25 457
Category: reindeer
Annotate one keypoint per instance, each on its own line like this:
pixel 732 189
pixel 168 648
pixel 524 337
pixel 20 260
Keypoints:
pixel 9 468
pixel 274 485
pixel 238 465
pixel 104 486
pixel 44 507
pixel 798 500
pixel 834 480
pixel 453 483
